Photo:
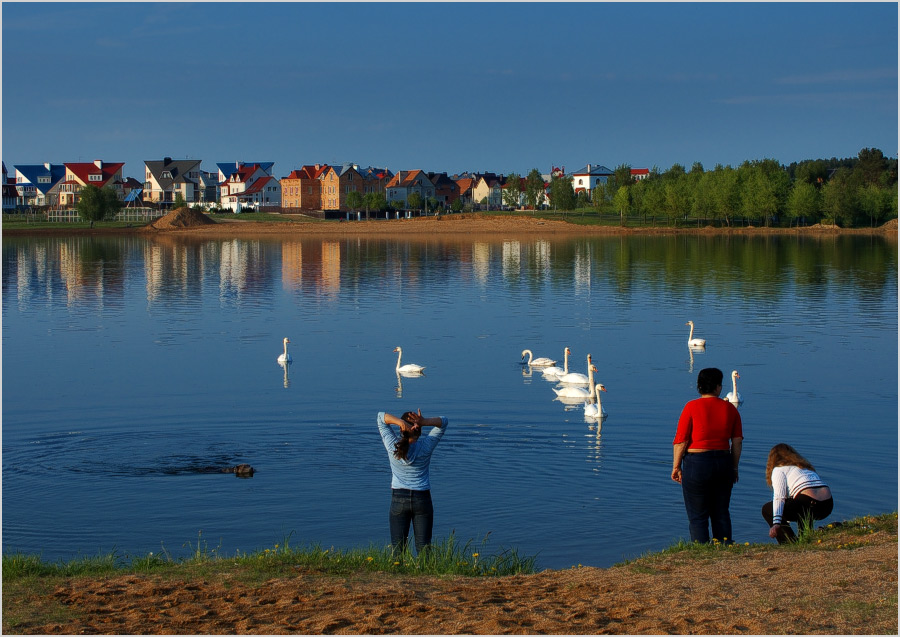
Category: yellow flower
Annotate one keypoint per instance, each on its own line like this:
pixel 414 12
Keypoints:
pixel 396 563
pixel 369 559
pixel 475 554
pixel 748 543
pixel 819 542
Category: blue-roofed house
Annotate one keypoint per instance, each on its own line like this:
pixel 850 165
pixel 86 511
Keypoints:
pixel 590 177
pixel 227 169
pixel 39 184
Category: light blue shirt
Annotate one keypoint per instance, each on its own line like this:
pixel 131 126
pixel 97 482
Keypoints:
pixel 411 473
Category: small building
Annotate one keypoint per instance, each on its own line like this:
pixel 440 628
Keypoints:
pixel 639 174
pixel 302 189
pixel 590 177
pixel 405 183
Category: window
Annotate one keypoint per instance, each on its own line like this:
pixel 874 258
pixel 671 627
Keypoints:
pixel 95 177
pixel 166 174
pixel 43 180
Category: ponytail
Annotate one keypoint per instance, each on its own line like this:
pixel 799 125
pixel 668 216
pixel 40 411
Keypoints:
pixel 402 446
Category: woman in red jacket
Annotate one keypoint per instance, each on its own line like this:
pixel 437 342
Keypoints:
pixel 706 452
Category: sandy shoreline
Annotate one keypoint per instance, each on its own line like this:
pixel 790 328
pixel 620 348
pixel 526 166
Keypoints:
pixel 450 226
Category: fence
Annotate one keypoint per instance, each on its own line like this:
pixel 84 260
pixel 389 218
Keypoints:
pixel 142 215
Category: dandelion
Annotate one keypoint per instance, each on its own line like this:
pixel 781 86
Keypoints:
pixel 475 554
pixel 819 542
pixel 396 563
pixel 370 559
pixel 748 543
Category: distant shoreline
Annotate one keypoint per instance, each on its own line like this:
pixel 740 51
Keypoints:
pixel 445 226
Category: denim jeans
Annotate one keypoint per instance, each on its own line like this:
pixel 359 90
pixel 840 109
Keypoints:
pixel 796 509
pixel 706 481
pixel 411 507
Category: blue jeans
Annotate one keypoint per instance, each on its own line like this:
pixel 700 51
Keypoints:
pixel 706 481
pixel 411 507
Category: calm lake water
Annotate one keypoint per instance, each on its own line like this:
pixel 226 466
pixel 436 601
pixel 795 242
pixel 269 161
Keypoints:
pixel 128 362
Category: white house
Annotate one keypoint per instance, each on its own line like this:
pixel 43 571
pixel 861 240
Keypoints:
pixel 590 177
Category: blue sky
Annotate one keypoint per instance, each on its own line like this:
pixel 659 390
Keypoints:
pixel 501 87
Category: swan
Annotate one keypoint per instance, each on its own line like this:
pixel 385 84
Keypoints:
pixel 574 378
pixel 550 372
pixel 733 396
pixel 543 361
pixel 695 342
pixel 409 368
pixel 596 410
pixel 285 357
pixel 577 392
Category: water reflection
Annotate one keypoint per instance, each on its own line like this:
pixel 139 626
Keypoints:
pixel 93 269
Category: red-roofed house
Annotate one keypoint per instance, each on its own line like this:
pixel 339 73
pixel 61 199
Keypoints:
pixel 302 189
pixel 405 183
pixel 465 189
pixel 337 183
pixel 96 173
pixel 640 173
pixel 241 181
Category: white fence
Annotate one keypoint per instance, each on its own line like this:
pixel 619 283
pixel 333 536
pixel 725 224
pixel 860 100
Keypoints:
pixel 141 215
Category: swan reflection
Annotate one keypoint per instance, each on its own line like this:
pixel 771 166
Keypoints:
pixel 285 367
pixel 401 376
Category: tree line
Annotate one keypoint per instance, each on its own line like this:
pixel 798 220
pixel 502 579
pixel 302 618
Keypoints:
pixel 849 192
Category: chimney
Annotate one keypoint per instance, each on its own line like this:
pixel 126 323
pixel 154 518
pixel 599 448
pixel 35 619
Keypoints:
pixel 98 163
pixel 47 165
pixel 167 161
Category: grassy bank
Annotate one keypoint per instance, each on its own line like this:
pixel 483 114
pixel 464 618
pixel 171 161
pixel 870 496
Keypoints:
pixel 841 578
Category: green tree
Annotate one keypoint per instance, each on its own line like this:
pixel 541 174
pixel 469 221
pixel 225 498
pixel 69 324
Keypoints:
pixel 375 201
pixel 726 192
pixel 562 196
pixel 838 201
pixel 415 201
pixel 534 189
pixel 703 204
pixel 874 202
pixel 457 205
pixel 803 202
pixel 677 202
pixel 355 200
pixel 511 190
pixel 622 203
pixel 178 202
pixel 622 176
pixel 97 204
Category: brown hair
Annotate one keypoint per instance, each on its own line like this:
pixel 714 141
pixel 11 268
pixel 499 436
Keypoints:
pixel 783 455
pixel 402 446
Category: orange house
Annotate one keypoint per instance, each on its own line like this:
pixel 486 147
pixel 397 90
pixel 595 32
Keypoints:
pixel 302 189
pixel 337 183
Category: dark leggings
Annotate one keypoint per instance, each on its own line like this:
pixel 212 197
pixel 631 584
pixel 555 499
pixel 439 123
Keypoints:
pixel 411 507
pixel 796 509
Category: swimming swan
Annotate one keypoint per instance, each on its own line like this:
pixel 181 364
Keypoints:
pixel 574 378
pixel 577 392
pixel 695 342
pixel 543 361
pixel 285 357
pixel 551 372
pixel 733 396
pixel 409 368
pixel 596 410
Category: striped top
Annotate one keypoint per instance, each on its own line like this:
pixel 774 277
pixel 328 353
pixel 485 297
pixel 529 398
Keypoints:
pixel 789 481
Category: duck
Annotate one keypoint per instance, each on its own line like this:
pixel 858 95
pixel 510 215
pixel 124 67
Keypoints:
pixel 574 378
pixel 552 372
pixel 576 392
pixel 543 361
pixel 733 396
pixel 596 409
pixel 409 368
pixel 695 342
pixel 285 357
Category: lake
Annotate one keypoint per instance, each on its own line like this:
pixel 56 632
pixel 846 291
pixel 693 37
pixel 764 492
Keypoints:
pixel 129 362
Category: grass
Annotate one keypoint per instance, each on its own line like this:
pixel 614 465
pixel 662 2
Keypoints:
pixel 446 557
pixel 852 532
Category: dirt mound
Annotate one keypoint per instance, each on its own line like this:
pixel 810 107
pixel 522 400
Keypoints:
pixel 890 225
pixel 181 218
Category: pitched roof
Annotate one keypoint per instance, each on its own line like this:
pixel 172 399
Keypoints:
pixel 31 172
pixel 404 179
pixel 257 186
pixel 231 167
pixel 83 170
pixel 640 171
pixel 465 184
pixel 177 169
pixel 594 170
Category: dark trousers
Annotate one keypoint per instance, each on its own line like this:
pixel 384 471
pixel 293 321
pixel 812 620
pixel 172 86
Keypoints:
pixel 796 509
pixel 411 507
pixel 706 481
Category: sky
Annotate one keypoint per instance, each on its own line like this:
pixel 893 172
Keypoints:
pixel 447 87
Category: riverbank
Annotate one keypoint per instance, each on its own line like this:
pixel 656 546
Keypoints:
pixel 844 581
pixel 454 225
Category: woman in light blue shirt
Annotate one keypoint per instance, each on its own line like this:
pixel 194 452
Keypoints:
pixel 410 458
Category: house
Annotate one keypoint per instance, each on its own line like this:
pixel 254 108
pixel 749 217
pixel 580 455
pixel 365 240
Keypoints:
pixel 405 183
pixel 590 177
pixel 446 191
pixel 165 179
pixel 488 189
pixel 97 173
pixel 465 184
pixel 302 189
pixel 337 183
pixel 639 174
pixel 375 179
pixel 10 194
pixel 242 179
pixel 229 168
pixel 38 184
pixel 263 194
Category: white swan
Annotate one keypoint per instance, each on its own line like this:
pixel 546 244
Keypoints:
pixel 285 357
pixel 577 392
pixel 552 372
pixel 574 378
pixel 733 396
pixel 543 361
pixel 409 368
pixel 596 409
pixel 695 342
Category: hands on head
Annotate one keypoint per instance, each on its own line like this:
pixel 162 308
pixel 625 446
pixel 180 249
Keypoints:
pixel 412 423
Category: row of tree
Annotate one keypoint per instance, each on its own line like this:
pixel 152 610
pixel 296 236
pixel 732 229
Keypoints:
pixel 855 191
